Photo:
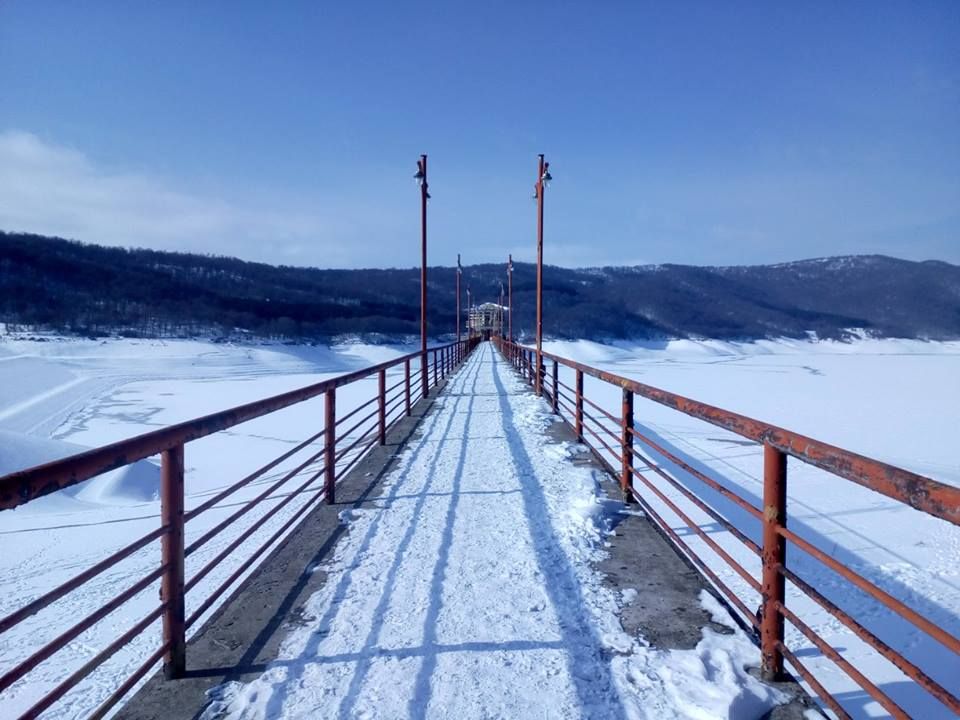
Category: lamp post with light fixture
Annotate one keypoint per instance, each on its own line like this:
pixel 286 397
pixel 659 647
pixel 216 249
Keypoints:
pixel 421 178
pixel 469 314
pixel 543 179
pixel 510 297
pixel 459 273
pixel 500 312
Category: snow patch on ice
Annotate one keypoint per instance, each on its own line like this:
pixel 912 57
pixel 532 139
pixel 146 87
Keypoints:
pixel 135 483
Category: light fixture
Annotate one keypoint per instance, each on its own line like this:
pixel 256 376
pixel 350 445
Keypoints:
pixel 546 177
pixel 419 176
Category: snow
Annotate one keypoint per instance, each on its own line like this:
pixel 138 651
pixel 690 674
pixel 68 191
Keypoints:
pixel 137 482
pixel 469 591
pixel 59 396
pixel 894 400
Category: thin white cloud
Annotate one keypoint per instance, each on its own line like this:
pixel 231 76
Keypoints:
pixel 54 190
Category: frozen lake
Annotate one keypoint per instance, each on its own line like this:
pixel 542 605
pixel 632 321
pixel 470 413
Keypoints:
pixel 897 401
pixel 894 400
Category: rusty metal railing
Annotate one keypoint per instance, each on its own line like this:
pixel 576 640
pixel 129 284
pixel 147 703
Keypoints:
pixel 612 437
pixel 345 441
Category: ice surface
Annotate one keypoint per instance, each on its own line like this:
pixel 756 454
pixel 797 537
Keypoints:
pixel 894 400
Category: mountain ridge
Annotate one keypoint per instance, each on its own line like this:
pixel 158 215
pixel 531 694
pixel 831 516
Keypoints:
pixel 52 283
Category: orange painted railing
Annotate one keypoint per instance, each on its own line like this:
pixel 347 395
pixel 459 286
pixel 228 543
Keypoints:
pixel 315 477
pixel 612 436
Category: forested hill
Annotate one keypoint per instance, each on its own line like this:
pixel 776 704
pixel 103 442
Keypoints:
pixel 49 283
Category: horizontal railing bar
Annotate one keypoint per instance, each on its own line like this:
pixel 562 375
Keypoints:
pixel 920 492
pixel 749 616
pixel 359 455
pixel 724 555
pixel 391 400
pixel 248 506
pixel 597 453
pixel 702 477
pixel 565 386
pixel 904 665
pixel 357 409
pixel 600 440
pixel 277 496
pixel 44 653
pixel 346 433
pixel 25 485
pixel 601 426
pixel 875 592
pixel 359 439
pixel 92 664
pixel 568 398
pixel 256 525
pixel 127 684
pixel 393 387
pixel 565 404
pixel 830 652
pixel 737 533
pixel 207 504
pixel 205 605
pixel 392 405
pixel 829 700
pixel 73 583
pixel 613 418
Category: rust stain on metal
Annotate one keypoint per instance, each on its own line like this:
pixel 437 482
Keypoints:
pixel 20 487
pixel 917 491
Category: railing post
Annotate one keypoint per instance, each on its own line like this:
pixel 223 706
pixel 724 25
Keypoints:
pixel 538 378
pixel 171 543
pixel 626 446
pixel 435 380
pixel 774 556
pixel 330 445
pixel 579 403
pixel 424 374
pixel 382 409
pixel 555 401
pixel 406 385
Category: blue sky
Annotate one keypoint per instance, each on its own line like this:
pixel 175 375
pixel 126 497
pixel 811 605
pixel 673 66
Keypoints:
pixel 692 132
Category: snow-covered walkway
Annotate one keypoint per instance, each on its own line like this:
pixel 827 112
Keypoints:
pixel 466 590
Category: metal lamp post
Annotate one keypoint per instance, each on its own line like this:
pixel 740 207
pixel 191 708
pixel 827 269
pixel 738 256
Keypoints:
pixel 459 272
pixel 510 297
pixel 421 178
pixel 500 312
pixel 543 178
pixel 469 316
